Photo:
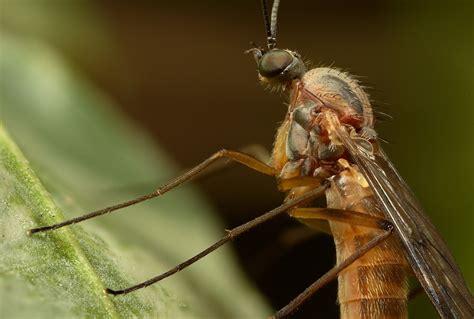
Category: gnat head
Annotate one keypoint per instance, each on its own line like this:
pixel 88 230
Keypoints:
pixel 276 66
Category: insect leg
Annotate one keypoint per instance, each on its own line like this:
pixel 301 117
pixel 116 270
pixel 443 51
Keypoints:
pixel 298 181
pixel 257 151
pixel 353 218
pixel 230 235
pixel 307 215
pixel 236 156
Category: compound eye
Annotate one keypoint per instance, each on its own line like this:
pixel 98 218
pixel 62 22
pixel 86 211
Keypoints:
pixel 273 63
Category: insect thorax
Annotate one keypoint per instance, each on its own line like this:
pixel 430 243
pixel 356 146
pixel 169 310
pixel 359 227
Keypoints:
pixel 341 92
pixel 309 148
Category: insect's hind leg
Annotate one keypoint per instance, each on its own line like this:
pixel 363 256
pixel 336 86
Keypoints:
pixel 306 215
pixel 194 172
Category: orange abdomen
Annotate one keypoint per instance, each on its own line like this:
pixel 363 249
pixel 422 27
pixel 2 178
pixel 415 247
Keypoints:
pixel 375 285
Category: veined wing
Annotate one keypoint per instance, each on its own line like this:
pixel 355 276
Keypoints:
pixel 428 255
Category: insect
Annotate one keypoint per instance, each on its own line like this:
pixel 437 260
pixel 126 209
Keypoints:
pixel 327 146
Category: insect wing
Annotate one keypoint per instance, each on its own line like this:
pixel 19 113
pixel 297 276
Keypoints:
pixel 428 255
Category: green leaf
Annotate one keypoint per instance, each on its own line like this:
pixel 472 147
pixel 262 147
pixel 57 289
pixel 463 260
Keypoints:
pixel 89 157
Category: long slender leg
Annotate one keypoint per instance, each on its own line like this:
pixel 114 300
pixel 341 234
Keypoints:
pixel 351 217
pixel 236 156
pixel 330 275
pixel 317 218
pixel 341 215
pixel 256 151
pixel 231 234
pixel 293 182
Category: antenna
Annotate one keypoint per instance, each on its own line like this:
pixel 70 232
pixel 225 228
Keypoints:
pixel 273 26
pixel 270 22
pixel 270 41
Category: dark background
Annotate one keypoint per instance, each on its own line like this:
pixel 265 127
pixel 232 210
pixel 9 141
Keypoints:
pixel 178 70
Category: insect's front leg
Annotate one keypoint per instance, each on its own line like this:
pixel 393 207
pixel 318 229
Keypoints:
pixel 257 151
pixel 194 172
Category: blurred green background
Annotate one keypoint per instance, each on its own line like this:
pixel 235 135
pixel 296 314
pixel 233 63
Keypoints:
pixel 178 70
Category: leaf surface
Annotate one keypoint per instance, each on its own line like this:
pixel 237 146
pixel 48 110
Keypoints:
pixel 88 157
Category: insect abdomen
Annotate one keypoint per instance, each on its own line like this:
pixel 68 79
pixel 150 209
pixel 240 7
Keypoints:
pixel 376 289
pixel 375 285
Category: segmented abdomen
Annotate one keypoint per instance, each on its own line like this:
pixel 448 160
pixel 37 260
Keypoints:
pixel 375 285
